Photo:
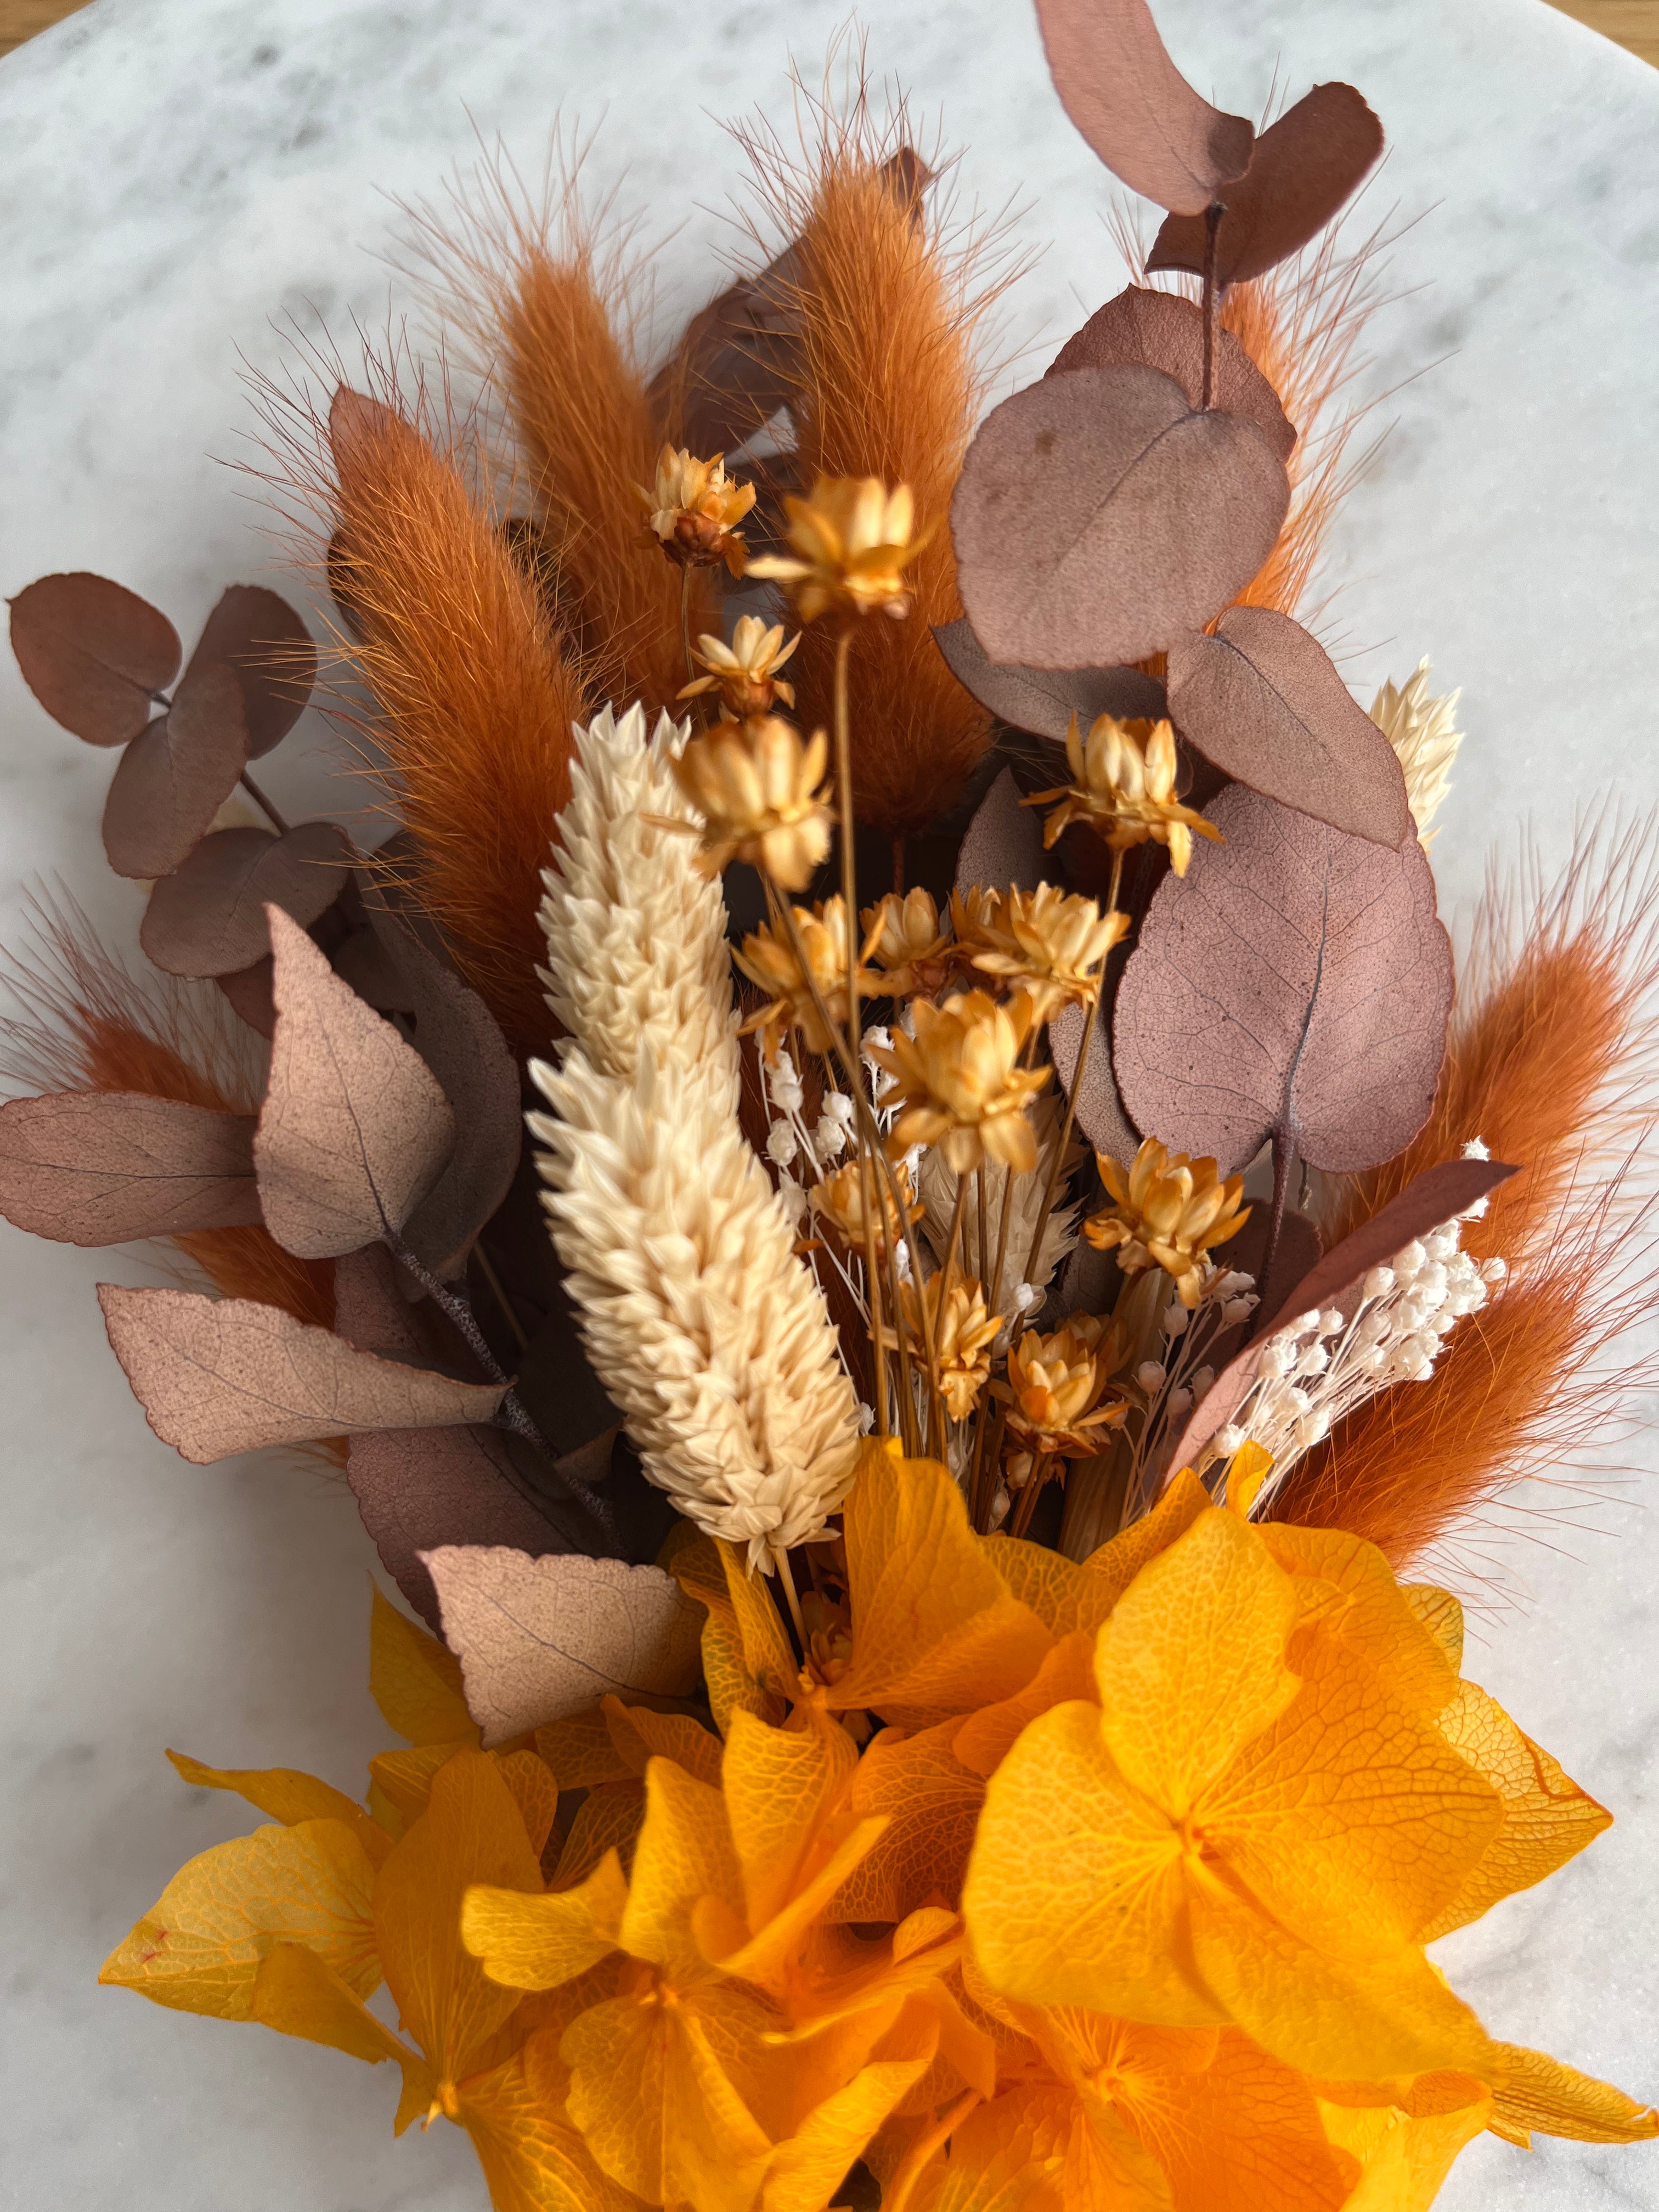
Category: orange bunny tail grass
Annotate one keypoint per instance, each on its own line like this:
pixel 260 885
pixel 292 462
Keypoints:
pixel 476 696
pixel 1527 1400
pixel 1553 1059
pixel 90 1025
pixel 544 294
pixel 890 297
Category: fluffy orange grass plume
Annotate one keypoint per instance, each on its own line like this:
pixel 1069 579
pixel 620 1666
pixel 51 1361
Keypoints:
pixel 545 294
pixel 473 691
pixel 92 1025
pixel 1552 1061
pixel 890 295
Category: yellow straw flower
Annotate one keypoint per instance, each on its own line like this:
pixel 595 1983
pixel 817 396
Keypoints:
pixel 1050 942
pixel 695 508
pixel 839 1200
pixel 760 789
pixel 768 958
pixel 959 1084
pixel 1167 1212
pixel 963 1335
pixel 852 541
pixel 910 942
pixel 746 672
pixel 1122 784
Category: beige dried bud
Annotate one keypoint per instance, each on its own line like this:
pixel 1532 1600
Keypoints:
pixel 1167 1212
pixel 963 1335
pixel 1050 942
pixel 910 942
pixel 1056 1388
pixel 852 539
pixel 959 1084
pixel 838 1202
pixel 768 958
pixel 695 508
pixel 744 672
pixel 1123 777
pixel 760 790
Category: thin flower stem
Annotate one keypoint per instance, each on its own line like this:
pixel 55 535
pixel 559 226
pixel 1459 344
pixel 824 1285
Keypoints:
pixel 499 1291
pixel 983 1234
pixel 786 1576
pixel 1020 1519
pixel 685 623
pixel 1213 216
pixel 953 1240
pixel 259 800
pixel 982 1482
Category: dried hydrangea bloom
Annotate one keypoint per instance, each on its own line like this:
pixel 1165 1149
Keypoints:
pixel 959 1085
pixel 1056 1389
pixel 963 1335
pixel 1423 733
pixel 1123 778
pixel 909 942
pixel 695 508
pixel 744 672
pixel 760 790
pixel 768 958
pixel 1167 1212
pixel 853 540
pixel 1051 942
pixel 839 1201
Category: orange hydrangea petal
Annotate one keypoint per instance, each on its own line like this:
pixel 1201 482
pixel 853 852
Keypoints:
pixel 532 2158
pixel 931 1803
pixel 609 1819
pixel 1441 1615
pixel 471 1832
pixel 529 1942
pixel 415 1680
pixel 1346 1589
pixel 288 1796
pixel 1546 1818
pixel 984 1740
pixel 1004 2157
pixel 1404 2157
pixel 747 1663
pixel 804 2171
pixel 1123 1559
pixel 1075 1893
pixel 779 1785
pixel 641 1735
pixel 1065 1596
pixel 298 1993
pixel 935 1630
pixel 684 1852
pixel 1191 1665
pixel 198 1947
pixel 581 1752
pixel 1533 2091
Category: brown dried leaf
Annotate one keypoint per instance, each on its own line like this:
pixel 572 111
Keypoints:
pixel 220 1376
pixel 1428 1201
pixel 93 653
pixel 1002 849
pixel 1120 88
pixel 260 635
pixel 539 1639
pixel 176 774
pixel 355 1127
pixel 102 1167
pixel 209 918
pixel 1303 170
pixel 1100 1115
pixel 1295 983
pixel 458 1037
pixel 1099 517
pixel 1044 700
pixel 1162 329
pixel 1263 701
pixel 248 991
pixel 418 1489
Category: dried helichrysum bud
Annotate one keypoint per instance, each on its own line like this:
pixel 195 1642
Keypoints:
pixel 1167 1212
pixel 959 1083
pixel 744 672
pixel 768 958
pixel 1123 778
pixel 852 541
pixel 1051 943
pixel 760 789
pixel 1056 1389
pixel 909 942
pixel 838 1200
pixel 695 508
pixel 963 1335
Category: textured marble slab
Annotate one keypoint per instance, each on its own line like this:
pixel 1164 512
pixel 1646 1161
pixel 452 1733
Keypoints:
pixel 187 186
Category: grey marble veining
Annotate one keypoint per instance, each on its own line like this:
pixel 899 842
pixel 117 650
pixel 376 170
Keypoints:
pixel 187 183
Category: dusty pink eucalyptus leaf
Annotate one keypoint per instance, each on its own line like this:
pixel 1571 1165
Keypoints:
pixel 1044 700
pixel 1162 329
pixel 176 774
pixel 1117 83
pixel 248 992
pixel 93 653
pixel 209 918
pixel 1294 983
pixel 539 1639
pixel 1263 701
pixel 1439 1194
pixel 220 1376
pixel 1305 169
pixel 260 635
pixel 355 1127
pixel 1099 516
pixel 1100 1115
pixel 1002 848
pixel 103 1167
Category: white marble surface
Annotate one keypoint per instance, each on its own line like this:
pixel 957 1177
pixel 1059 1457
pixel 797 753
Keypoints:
pixel 178 176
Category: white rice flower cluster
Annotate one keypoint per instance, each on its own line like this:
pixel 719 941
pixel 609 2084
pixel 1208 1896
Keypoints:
pixel 1321 1364
pixel 707 1330
pixel 1424 734
pixel 1174 1383
pixel 1025 1274
pixel 635 933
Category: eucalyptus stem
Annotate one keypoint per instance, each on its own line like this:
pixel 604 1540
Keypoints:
pixel 786 1576
pixel 1213 216
pixel 259 800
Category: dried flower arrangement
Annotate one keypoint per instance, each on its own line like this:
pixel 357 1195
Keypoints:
pixel 914 1467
